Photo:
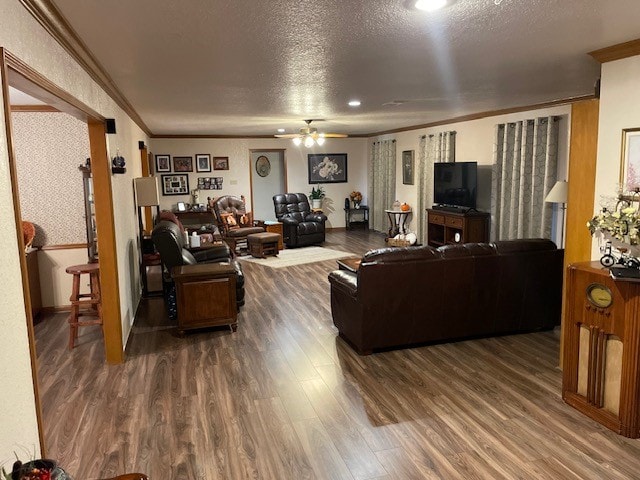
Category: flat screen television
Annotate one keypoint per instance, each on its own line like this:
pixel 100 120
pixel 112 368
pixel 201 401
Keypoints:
pixel 455 184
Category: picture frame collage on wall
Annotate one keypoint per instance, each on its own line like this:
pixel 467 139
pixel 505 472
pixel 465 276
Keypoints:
pixel 177 183
pixel 181 164
pixel 210 183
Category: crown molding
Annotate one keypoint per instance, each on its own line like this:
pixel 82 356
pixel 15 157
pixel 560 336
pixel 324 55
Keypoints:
pixel 46 13
pixel 490 113
pixel 617 52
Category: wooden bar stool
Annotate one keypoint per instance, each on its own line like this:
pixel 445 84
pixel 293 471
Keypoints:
pixel 84 303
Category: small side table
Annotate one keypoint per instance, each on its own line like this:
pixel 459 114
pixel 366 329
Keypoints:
pixel 397 220
pixel 206 295
pixel 275 227
pixel 350 213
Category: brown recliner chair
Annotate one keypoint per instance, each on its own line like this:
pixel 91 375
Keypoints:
pixel 229 211
pixel 169 241
pixel 300 226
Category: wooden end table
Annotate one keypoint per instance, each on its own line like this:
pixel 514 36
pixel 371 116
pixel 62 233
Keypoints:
pixel 352 264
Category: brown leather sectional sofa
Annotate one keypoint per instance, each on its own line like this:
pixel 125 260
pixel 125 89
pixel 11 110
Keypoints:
pixel 408 296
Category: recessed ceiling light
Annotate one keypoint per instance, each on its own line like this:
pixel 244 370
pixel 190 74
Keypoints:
pixel 430 5
pixel 355 103
pixel 281 130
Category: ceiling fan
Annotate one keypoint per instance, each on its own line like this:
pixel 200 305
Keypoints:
pixel 309 136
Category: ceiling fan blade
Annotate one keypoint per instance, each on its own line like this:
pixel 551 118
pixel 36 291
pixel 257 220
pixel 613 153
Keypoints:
pixel 335 135
pixel 288 135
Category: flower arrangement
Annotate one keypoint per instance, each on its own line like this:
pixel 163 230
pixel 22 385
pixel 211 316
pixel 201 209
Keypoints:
pixel 317 193
pixel 41 469
pixel 327 169
pixel 623 223
pixel 355 196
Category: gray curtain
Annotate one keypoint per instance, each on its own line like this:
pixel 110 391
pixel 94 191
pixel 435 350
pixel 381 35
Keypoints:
pixel 524 170
pixel 435 148
pixel 382 182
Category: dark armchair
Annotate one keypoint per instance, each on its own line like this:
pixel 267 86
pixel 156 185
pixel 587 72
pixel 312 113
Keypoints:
pixel 234 222
pixel 169 241
pixel 300 225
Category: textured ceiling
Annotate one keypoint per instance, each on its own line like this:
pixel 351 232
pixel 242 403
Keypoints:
pixel 247 67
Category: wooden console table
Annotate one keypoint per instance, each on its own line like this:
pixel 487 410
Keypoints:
pixel 601 361
pixel 446 227
pixel 206 295
pixel 350 213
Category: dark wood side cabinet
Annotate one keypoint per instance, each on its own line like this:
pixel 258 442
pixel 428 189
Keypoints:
pixel 206 295
pixel 34 282
pixel 444 227
pixel 601 360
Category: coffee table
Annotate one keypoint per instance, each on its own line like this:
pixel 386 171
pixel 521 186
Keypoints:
pixel 351 264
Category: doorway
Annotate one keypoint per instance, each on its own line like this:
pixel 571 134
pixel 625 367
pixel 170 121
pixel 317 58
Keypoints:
pixel 17 74
pixel 268 174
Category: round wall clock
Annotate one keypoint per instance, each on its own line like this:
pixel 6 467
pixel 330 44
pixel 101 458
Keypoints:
pixel 263 166
pixel 599 295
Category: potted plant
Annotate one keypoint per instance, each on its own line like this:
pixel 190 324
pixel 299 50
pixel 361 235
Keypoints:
pixel 316 196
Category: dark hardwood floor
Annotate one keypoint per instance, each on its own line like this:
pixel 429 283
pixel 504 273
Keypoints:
pixel 284 398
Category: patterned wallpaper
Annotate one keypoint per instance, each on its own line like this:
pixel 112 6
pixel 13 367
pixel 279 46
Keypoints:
pixel 49 147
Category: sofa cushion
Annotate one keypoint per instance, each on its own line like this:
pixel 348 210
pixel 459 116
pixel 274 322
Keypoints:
pixel 527 245
pixel 467 250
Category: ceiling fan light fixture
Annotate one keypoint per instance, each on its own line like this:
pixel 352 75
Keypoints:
pixel 308 141
pixel 297 141
pixel 320 141
pixel 430 5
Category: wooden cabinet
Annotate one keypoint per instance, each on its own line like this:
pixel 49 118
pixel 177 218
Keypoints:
pixel 445 227
pixel 34 282
pixel 601 376
pixel 196 220
pixel 206 295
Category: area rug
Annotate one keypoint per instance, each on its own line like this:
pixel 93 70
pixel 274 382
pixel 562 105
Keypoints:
pixel 298 256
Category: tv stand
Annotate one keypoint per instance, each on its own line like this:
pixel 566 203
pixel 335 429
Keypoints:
pixel 446 227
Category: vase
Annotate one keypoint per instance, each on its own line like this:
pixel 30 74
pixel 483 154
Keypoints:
pixel 316 203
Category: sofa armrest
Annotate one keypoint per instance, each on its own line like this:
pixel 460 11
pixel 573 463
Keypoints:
pixel 316 217
pixel 344 281
pixel 218 253
pixel 289 221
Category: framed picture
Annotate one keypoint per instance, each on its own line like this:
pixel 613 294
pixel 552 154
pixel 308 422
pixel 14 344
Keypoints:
pixel 183 164
pixel 630 162
pixel 203 162
pixel 177 184
pixel 327 167
pixel 163 163
pixel 221 163
pixel 407 167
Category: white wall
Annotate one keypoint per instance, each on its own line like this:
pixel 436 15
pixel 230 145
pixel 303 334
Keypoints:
pixel 474 143
pixel 265 187
pixel 619 109
pixel 23 36
pixel 236 179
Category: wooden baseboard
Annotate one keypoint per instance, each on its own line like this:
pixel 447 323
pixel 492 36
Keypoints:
pixel 56 309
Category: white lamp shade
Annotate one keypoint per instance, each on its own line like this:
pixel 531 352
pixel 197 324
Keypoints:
pixel 146 189
pixel 558 193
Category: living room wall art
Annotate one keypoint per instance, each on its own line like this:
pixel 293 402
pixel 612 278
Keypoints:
pixel 183 164
pixel 221 163
pixel 177 184
pixel 407 167
pixel 203 162
pixel 163 163
pixel 630 162
pixel 327 167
